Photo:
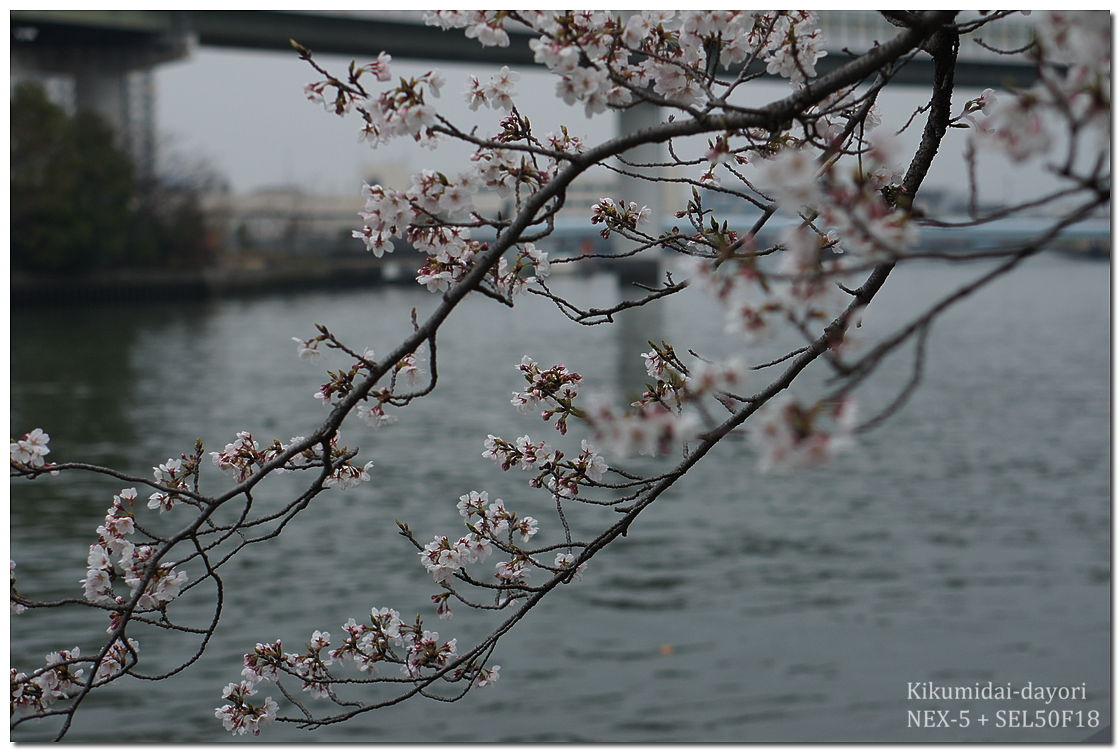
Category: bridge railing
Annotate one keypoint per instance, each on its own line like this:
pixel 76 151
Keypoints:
pixel 859 29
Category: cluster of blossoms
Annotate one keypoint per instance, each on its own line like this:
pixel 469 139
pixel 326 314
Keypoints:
pixel 653 425
pixel 851 202
pixel 551 388
pixel 669 378
pixel 591 51
pixel 668 412
pixel 434 195
pixel 240 457
pixel 173 475
pixel 617 216
pixel 117 659
pixel 483 25
pixel 404 110
pixel 48 685
pixel 428 215
pixel 384 639
pixel 344 97
pixel 588 465
pixel 341 383
pixel 438 275
pixel 510 173
pixel 424 216
pixel 801 289
pixel 750 308
pixel 788 435
pixel 856 209
pixel 564 141
pixel 373 413
pixel 15 606
pixel 307 349
pixel 675 385
pixel 368 644
pixel 497 93
pixel 133 561
pixel 240 715
pixel 485 522
pixel 426 651
pixel 347 475
pixel 312 667
pixel 114 558
pixel 792 45
pixel 530 264
pixel 561 476
pixel 649 429
pixel 31 448
pixel 387 214
pixel 1075 49
pixel 804 284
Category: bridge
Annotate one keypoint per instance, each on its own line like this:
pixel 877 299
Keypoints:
pixel 104 59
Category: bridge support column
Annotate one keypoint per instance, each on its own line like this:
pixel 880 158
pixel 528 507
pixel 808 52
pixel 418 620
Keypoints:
pixel 110 75
pixel 104 89
pixel 643 192
pixel 639 325
pixel 644 269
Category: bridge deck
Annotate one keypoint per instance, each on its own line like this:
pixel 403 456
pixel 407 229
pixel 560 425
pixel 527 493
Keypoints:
pixel 404 37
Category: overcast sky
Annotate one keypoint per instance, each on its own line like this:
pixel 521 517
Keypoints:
pixel 262 131
pixel 244 113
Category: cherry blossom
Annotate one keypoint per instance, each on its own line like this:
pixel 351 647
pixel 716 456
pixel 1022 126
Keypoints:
pixel 348 476
pixel 497 93
pixel 380 67
pixel 797 45
pixel 375 415
pixel 307 349
pixel 514 571
pixel 1016 125
pixel 48 685
pixel 15 606
pixel 239 457
pixel 565 561
pixel 487 676
pixel 652 429
pixel 426 651
pixel 526 527
pixel 240 716
pixel 119 656
pixel 788 435
pixel 617 216
pixel 31 448
pixel 552 388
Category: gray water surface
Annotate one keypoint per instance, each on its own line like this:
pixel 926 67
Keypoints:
pixel 967 540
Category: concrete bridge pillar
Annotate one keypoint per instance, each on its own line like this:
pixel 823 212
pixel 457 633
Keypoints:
pixel 644 269
pixel 640 191
pixel 104 70
pixel 104 89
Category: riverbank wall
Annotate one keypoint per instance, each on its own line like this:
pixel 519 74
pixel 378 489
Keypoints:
pixel 141 285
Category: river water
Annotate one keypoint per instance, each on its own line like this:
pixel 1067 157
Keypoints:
pixel 967 540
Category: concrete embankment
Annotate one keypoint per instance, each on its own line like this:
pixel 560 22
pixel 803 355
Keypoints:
pixel 128 286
